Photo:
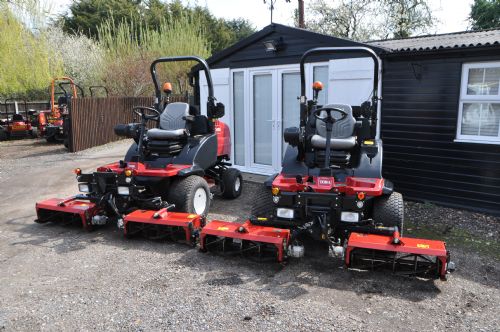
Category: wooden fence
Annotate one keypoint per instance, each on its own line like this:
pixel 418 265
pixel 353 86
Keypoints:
pixel 93 119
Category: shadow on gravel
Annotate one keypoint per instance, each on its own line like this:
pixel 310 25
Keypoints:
pixel 53 152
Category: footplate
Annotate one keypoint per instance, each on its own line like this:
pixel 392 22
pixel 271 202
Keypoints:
pixel 162 224
pixel 402 255
pixel 245 239
pixel 70 210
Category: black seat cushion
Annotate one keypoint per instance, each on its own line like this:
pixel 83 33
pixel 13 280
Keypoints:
pixel 342 135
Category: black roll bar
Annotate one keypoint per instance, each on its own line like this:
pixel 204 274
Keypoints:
pixel 202 62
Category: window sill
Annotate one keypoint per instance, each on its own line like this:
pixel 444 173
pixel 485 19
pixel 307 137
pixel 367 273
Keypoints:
pixel 468 140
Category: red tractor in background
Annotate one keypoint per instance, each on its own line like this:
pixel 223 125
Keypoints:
pixel 17 125
pixel 51 121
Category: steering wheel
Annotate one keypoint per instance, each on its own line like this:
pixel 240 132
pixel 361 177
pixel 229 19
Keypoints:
pixel 141 111
pixel 329 118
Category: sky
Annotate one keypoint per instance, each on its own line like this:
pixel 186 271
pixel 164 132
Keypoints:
pixel 451 14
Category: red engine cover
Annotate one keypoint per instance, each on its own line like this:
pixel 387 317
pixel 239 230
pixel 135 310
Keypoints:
pixel 223 138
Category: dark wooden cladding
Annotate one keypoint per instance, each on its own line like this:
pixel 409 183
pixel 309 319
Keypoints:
pixel 93 119
pixel 419 123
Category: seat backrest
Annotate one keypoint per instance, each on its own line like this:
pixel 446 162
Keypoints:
pixel 17 117
pixel 340 129
pixel 172 116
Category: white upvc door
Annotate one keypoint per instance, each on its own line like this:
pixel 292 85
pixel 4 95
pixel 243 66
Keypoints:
pixel 264 121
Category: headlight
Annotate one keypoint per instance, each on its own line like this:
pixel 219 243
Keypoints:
pixel 84 187
pixel 285 213
pixel 349 216
pixel 124 191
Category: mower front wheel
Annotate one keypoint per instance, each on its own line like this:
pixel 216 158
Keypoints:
pixel 389 211
pixel 190 195
pixel 231 183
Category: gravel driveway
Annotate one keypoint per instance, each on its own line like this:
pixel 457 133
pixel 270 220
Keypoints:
pixel 61 278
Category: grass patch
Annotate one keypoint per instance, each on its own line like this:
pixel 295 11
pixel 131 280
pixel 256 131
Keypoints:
pixel 455 237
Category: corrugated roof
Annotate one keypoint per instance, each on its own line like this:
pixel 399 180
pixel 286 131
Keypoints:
pixel 442 41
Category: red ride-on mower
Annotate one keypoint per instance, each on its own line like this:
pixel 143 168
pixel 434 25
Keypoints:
pixel 51 122
pixel 15 125
pixel 168 170
pixel 331 190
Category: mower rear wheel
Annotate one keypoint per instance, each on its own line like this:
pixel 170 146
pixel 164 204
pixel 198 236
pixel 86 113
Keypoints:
pixel 190 195
pixel 263 206
pixel 231 183
pixel 389 210
pixel 3 135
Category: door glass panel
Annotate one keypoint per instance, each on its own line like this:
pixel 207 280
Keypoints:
pixel 239 121
pixel 290 113
pixel 320 73
pixel 262 115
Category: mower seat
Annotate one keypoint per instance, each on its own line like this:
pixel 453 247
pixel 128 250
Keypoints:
pixel 17 117
pixel 342 135
pixel 172 123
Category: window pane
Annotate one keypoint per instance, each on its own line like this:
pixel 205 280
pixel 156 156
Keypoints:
pixel 239 121
pixel 320 73
pixel 262 115
pixel 483 81
pixel 481 119
pixel 290 104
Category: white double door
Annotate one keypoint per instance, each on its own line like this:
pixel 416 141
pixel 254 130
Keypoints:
pixel 273 106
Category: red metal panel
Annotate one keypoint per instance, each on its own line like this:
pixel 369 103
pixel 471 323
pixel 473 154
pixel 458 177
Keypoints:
pixel 142 169
pixel 223 139
pixel 321 184
pixel 277 236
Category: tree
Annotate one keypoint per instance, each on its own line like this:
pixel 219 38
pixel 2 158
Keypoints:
pixel 346 18
pixel 407 17
pixel 369 19
pixel 485 14
pixel 87 15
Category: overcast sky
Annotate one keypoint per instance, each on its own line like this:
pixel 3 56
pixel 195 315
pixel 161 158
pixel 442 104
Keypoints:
pixel 451 14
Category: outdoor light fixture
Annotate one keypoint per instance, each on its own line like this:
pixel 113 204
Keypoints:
pixel 273 45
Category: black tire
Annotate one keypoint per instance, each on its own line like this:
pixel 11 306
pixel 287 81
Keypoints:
pixel 3 135
pixel 183 193
pixel 231 183
pixel 389 210
pixel 263 206
pixel 51 139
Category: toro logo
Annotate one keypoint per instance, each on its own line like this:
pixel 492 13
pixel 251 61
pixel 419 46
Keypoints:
pixel 324 181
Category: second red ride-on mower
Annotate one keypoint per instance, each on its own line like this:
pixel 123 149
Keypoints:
pixel 331 190
pixel 171 167
pixel 15 125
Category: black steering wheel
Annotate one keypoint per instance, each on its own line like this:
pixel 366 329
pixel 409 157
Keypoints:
pixel 329 118
pixel 141 111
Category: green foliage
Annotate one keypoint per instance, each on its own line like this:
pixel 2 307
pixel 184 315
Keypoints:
pixel 130 48
pixel 485 14
pixel 26 60
pixel 87 15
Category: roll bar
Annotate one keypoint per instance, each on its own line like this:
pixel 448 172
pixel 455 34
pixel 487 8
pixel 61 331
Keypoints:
pixel 377 82
pixel 202 62
pixel 23 101
pixel 80 89
pixel 94 87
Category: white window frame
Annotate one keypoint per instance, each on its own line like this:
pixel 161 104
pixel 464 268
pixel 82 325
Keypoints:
pixel 465 98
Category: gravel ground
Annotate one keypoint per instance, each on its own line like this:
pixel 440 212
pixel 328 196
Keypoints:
pixel 61 278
